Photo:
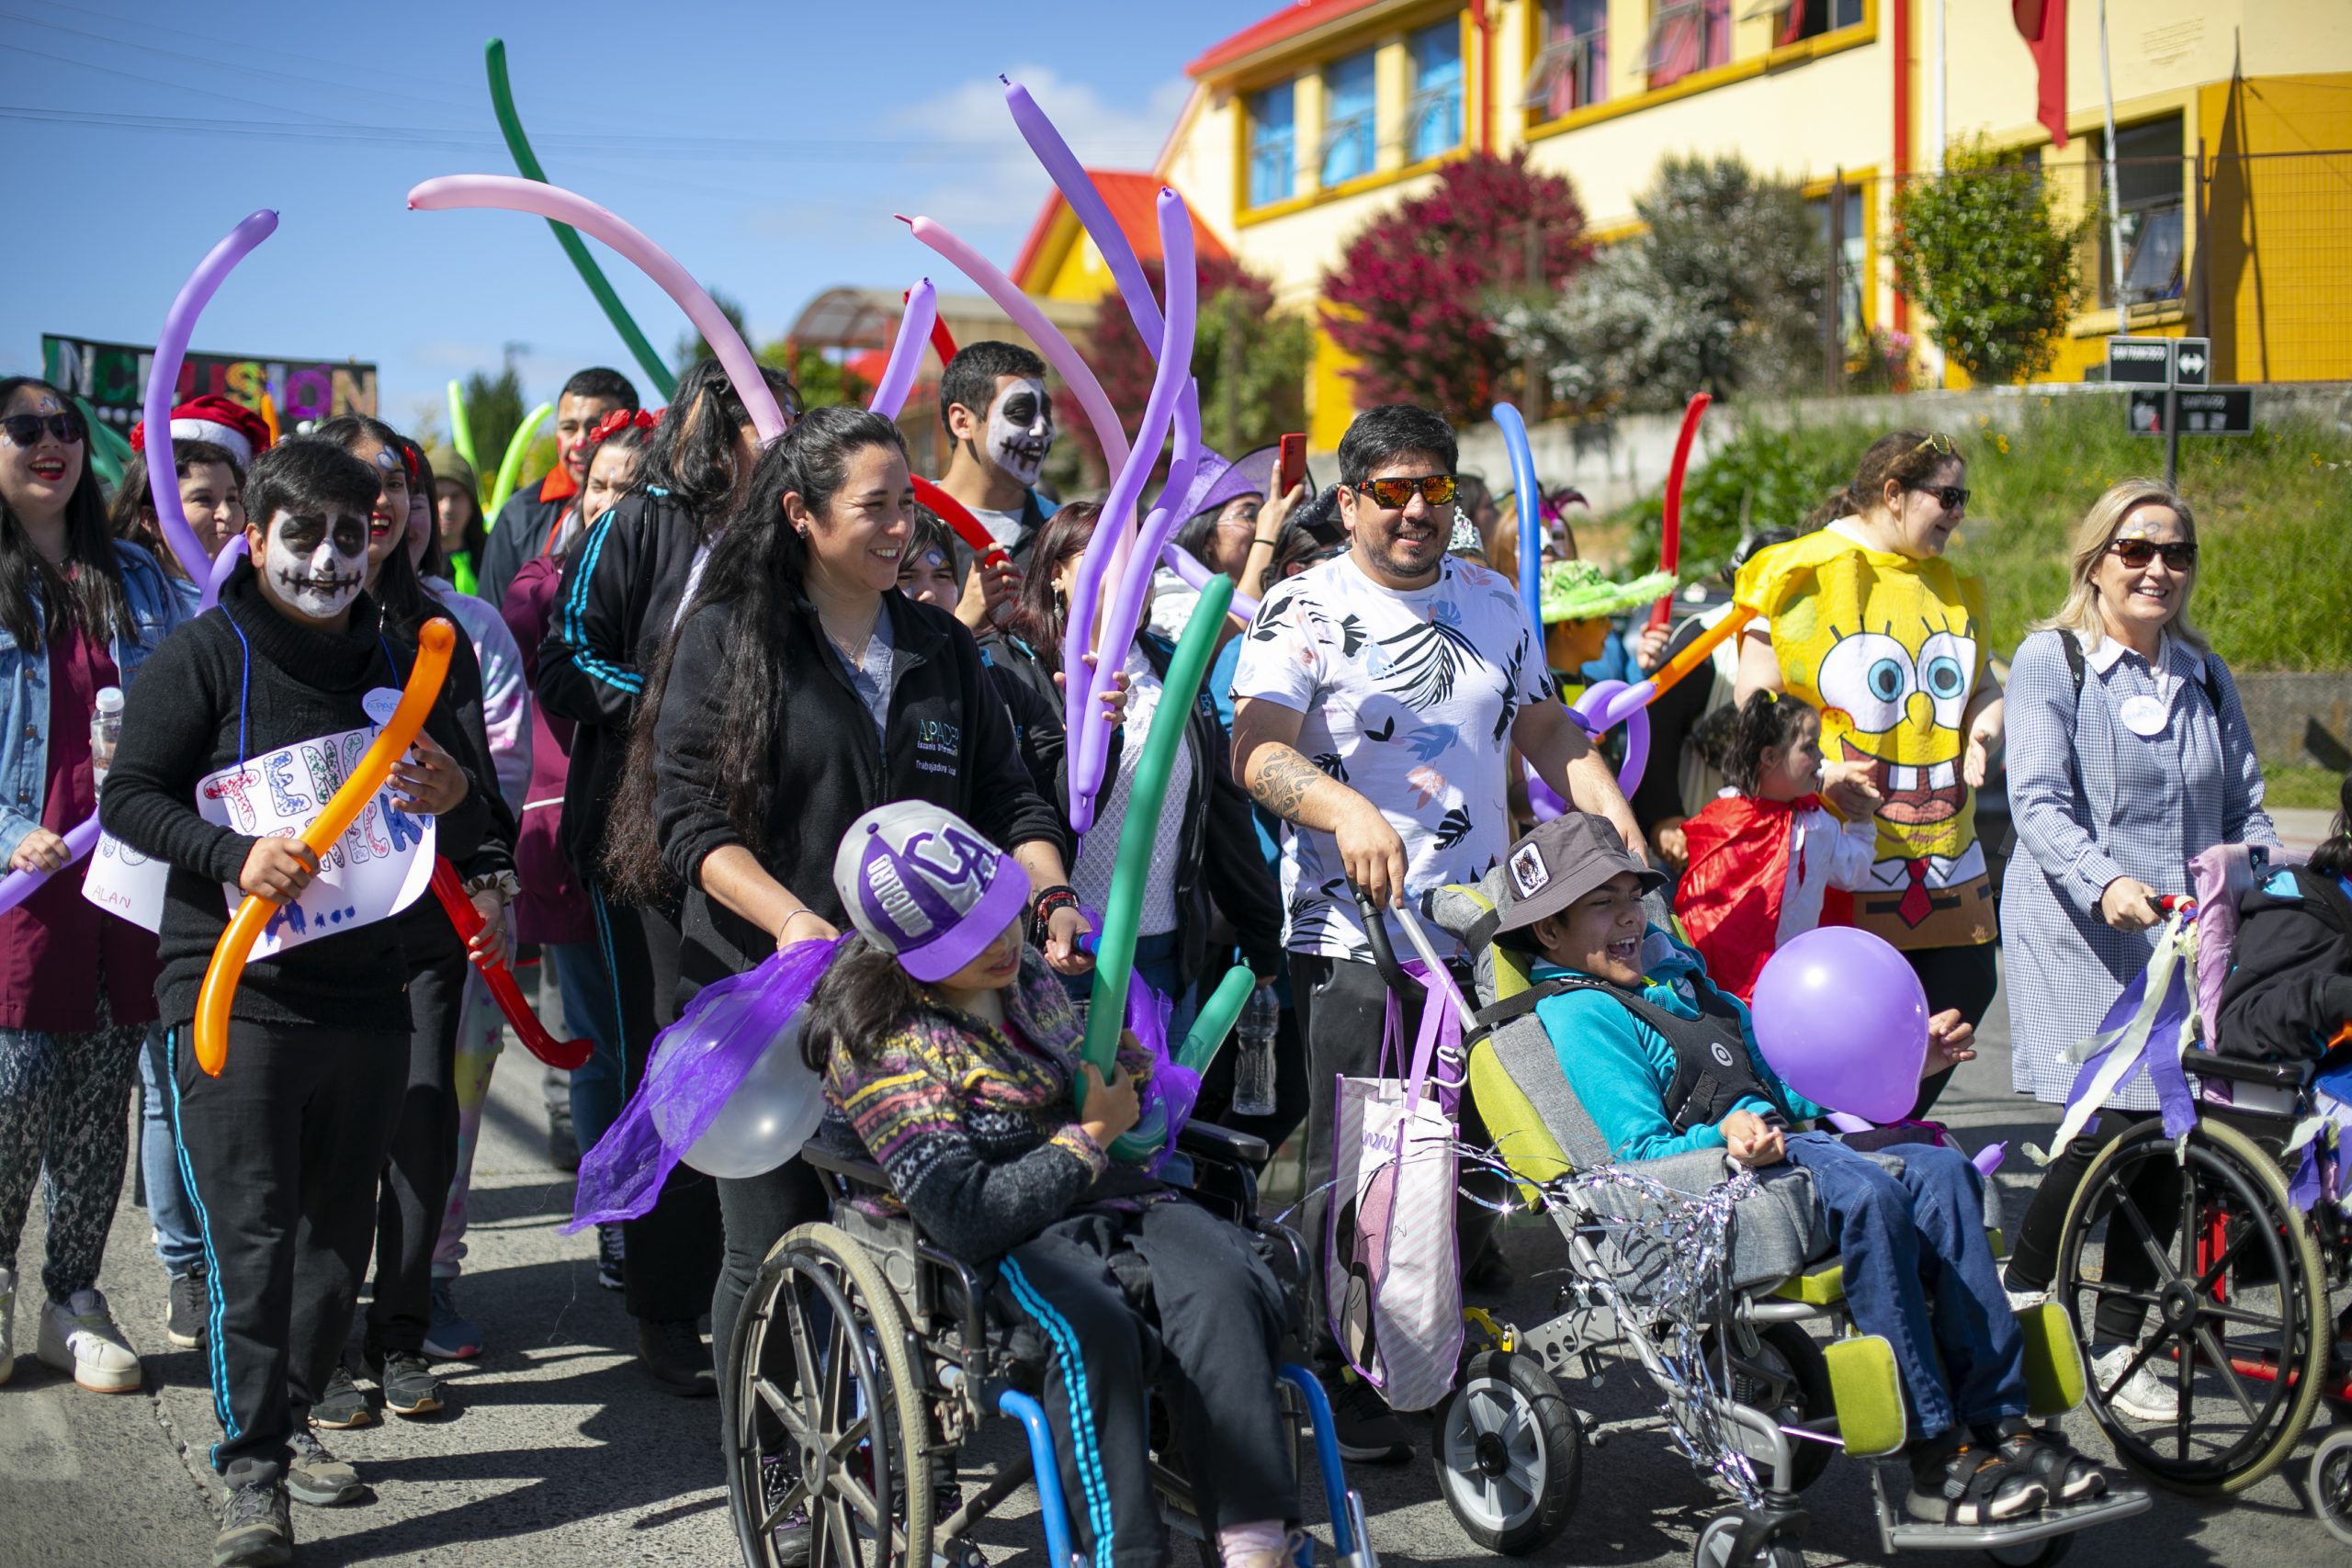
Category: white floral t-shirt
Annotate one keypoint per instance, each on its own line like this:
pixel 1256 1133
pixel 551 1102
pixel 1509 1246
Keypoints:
pixel 1408 700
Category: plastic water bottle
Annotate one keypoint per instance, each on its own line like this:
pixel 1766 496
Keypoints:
pixel 1253 1068
pixel 106 729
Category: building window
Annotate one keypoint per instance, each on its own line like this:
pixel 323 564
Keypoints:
pixel 1273 144
pixel 1572 68
pixel 1433 117
pixel 1811 19
pixel 1351 102
pixel 1840 213
pixel 2149 174
pixel 1688 36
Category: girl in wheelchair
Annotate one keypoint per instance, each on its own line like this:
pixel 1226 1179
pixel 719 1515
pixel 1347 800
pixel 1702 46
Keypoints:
pixel 1664 1063
pixel 954 1054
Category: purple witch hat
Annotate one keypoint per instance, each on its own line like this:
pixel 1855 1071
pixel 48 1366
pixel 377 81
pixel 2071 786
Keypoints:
pixel 920 881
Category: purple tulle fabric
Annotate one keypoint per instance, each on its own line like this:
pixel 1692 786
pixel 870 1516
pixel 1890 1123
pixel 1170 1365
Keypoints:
pixel 696 1063
pixel 1166 1096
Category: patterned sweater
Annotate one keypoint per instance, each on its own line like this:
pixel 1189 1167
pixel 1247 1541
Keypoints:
pixel 977 1134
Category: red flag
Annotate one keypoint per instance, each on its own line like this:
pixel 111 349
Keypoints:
pixel 2042 25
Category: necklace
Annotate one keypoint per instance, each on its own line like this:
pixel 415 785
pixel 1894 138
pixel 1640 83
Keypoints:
pixel 852 648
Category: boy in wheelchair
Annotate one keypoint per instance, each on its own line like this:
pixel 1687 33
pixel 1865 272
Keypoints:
pixel 1665 1063
pixel 954 1053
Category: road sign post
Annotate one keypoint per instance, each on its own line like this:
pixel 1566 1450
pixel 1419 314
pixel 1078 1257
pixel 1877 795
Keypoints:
pixel 2159 370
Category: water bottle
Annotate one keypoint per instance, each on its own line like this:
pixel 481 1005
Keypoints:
pixel 1253 1067
pixel 106 729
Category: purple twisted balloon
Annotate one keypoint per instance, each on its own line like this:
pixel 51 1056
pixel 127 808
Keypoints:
pixel 906 354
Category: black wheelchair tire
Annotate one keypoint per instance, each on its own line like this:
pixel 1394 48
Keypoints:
pixel 1509 1452
pixel 1716 1540
pixel 2330 1485
pixel 1809 1397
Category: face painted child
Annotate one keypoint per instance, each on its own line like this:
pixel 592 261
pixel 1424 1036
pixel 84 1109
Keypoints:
pixel 313 564
pixel 1020 427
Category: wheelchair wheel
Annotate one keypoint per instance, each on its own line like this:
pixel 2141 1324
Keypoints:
pixel 1719 1542
pixel 2235 1305
pixel 2047 1552
pixel 830 1410
pixel 2330 1485
pixel 1788 1380
pixel 1509 1453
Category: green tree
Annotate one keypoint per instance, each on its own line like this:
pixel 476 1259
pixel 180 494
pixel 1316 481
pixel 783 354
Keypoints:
pixel 494 411
pixel 694 347
pixel 1984 249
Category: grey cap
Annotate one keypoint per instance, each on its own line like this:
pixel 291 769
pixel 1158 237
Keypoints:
pixel 1561 861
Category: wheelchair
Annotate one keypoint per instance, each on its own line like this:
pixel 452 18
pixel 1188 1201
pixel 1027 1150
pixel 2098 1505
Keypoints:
pixel 864 1356
pixel 1708 1287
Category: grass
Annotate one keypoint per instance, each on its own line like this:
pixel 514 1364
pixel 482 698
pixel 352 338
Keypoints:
pixel 2274 516
pixel 2287 786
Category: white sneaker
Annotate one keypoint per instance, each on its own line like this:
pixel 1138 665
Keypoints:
pixel 2143 1396
pixel 8 1323
pixel 78 1336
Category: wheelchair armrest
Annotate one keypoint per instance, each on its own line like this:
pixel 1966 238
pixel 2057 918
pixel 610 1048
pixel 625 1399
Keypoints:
pixel 1207 1140
pixel 2237 1069
pixel 856 1168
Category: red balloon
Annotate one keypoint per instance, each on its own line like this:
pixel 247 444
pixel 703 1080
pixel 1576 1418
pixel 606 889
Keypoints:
pixel 564 1053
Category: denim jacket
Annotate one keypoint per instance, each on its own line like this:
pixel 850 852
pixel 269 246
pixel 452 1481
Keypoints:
pixel 155 609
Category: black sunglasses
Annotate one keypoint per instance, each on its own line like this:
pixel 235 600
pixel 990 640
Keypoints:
pixel 2137 553
pixel 1395 495
pixel 1951 498
pixel 24 429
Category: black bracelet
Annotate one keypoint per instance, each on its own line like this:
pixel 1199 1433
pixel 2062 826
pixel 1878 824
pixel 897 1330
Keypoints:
pixel 1043 907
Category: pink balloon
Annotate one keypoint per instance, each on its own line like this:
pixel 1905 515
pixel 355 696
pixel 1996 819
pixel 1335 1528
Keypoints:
pixel 1840 1015
pixel 557 205
pixel 906 354
pixel 163 379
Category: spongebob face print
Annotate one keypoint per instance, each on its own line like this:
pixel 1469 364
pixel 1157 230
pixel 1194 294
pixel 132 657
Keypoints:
pixel 1895 702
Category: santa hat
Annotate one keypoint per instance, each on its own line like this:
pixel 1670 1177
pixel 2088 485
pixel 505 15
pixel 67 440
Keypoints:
pixel 228 425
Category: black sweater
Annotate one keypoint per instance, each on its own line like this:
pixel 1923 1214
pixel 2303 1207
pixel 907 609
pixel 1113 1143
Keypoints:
pixel 182 720
pixel 950 743
pixel 2290 978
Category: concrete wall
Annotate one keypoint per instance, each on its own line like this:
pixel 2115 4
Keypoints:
pixel 2299 717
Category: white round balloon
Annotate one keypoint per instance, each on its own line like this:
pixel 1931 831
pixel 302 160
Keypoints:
pixel 765 1121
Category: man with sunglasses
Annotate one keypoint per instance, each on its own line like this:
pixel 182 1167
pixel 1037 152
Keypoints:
pixel 1377 700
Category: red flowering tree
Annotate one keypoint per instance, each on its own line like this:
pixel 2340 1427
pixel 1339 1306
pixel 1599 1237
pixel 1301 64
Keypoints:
pixel 1414 292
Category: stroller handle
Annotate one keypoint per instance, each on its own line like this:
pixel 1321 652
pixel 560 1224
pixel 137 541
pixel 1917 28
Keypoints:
pixel 1383 954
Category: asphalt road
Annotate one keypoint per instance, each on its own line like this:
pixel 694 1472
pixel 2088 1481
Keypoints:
pixel 556 1449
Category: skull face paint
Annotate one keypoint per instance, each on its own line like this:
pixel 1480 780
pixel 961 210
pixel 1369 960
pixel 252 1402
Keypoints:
pixel 317 564
pixel 1021 428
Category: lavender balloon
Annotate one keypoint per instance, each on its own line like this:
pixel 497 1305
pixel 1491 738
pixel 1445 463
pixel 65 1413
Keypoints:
pixel 1842 1017
pixel 1188 566
pixel 163 379
pixel 223 564
pixel 906 354
pixel 19 885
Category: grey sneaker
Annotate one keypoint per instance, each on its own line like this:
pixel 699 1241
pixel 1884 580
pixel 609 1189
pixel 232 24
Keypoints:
pixel 254 1529
pixel 410 1388
pixel 317 1479
pixel 191 1309
pixel 342 1406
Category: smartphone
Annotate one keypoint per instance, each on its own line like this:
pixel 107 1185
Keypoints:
pixel 1291 467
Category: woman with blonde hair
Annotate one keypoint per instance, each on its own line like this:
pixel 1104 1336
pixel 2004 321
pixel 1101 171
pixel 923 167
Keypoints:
pixel 2129 755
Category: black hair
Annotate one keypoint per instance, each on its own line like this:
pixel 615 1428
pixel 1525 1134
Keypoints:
pixel 758 571
pixel 863 995
pixel 400 593
pixel 929 534
pixel 1320 516
pixel 1039 616
pixel 425 483
pixel 1382 435
pixel 603 384
pixel 970 378
pixel 306 474
pixel 31 588
pixel 2333 857
pixel 132 516
pixel 1765 719
pixel 1753 543
pixel 1296 547
pixel 692 453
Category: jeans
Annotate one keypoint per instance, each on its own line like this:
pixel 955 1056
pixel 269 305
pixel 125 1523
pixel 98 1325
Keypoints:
pixel 587 991
pixel 1909 1242
pixel 178 1244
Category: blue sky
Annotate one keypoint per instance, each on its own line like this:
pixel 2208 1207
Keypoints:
pixel 765 145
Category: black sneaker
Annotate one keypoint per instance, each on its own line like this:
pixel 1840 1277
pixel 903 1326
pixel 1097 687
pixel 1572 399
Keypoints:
pixel 191 1309
pixel 342 1406
pixel 254 1529
pixel 1970 1483
pixel 609 1254
pixel 563 1150
pixel 410 1388
pixel 790 1533
pixel 1367 1430
pixel 317 1479
pixel 2050 1459
pixel 673 1355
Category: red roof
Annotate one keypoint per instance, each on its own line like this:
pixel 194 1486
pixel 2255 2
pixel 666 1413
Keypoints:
pixel 1134 201
pixel 1302 16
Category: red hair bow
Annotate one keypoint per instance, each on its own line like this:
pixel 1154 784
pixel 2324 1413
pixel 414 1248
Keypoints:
pixel 621 419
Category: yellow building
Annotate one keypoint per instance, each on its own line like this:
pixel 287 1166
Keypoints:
pixel 1311 124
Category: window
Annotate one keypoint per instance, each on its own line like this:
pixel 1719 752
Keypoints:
pixel 1842 213
pixel 1688 36
pixel 1572 68
pixel 1811 19
pixel 1349 102
pixel 2149 174
pixel 1433 118
pixel 1273 144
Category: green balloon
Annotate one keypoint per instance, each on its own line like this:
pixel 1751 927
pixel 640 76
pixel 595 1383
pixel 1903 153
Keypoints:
pixel 510 468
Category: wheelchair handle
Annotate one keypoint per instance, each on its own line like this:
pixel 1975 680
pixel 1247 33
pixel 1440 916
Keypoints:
pixel 1384 952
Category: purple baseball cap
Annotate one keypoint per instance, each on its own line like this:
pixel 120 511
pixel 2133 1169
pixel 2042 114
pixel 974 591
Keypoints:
pixel 1216 481
pixel 921 881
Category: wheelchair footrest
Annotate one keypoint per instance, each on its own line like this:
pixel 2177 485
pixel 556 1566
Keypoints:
pixel 1899 1532
pixel 2054 1361
pixel 1867 1393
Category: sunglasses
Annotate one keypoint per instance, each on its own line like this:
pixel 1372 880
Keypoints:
pixel 2137 553
pixel 1940 445
pixel 1397 494
pixel 1951 498
pixel 24 429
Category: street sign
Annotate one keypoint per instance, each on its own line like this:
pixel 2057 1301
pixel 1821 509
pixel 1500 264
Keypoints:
pixel 2139 361
pixel 2192 362
pixel 2213 410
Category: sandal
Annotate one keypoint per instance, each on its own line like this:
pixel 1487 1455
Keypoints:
pixel 2049 1457
pixel 1968 1483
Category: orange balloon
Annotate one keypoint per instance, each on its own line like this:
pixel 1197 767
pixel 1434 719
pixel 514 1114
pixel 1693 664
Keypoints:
pixel 434 642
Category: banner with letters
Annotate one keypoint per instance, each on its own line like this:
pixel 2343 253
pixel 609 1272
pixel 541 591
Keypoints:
pixel 112 377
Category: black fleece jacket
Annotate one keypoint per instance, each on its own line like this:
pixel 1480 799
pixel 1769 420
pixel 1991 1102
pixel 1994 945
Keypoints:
pixel 199 705
pixel 621 587
pixel 949 743
pixel 1217 856
pixel 2290 978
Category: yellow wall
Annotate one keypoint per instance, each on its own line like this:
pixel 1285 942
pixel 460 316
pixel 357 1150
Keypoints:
pixel 2276 264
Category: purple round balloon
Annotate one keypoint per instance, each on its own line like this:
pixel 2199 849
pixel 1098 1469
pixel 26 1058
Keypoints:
pixel 1842 1017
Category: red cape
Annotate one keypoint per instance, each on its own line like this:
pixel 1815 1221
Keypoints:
pixel 1729 897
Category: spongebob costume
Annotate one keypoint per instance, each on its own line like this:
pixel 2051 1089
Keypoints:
pixel 1888 650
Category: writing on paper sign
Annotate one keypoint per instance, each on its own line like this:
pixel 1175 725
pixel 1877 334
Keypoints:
pixel 379 702
pixel 125 881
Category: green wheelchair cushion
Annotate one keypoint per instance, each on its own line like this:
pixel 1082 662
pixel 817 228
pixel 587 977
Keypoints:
pixel 1822 1285
pixel 1867 1393
pixel 2054 1361
pixel 1517 1129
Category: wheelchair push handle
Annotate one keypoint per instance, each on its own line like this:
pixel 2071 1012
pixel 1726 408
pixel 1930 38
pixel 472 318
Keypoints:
pixel 1383 954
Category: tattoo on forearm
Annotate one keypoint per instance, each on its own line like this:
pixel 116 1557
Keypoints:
pixel 1282 781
